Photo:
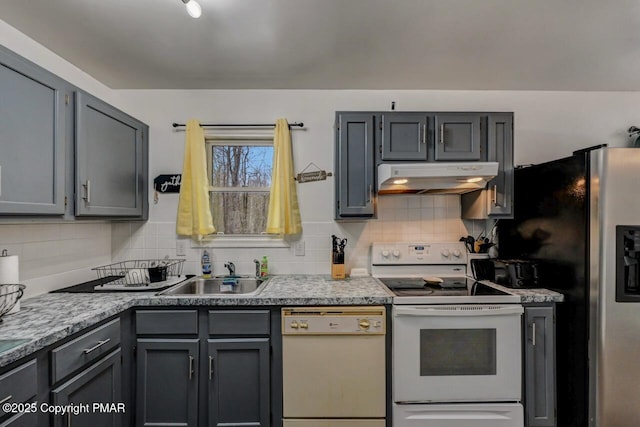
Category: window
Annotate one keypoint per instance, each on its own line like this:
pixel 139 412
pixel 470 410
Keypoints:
pixel 240 176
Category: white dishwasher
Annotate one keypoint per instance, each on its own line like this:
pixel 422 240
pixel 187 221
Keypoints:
pixel 334 366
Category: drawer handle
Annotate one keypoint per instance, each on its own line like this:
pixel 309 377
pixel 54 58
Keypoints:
pixel 210 367
pixel 97 346
pixel 6 399
pixel 190 367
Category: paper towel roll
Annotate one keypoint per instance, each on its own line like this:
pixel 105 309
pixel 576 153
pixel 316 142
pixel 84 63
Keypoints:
pixel 9 269
pixel 10 274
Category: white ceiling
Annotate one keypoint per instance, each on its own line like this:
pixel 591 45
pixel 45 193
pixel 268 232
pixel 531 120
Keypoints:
pixel 581 45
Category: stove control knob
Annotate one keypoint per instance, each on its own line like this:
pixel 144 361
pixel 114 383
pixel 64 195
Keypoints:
pixel 445 253
pixel 385 253
pixel 364 324
pixel 304 325
pixel 294 325
pixel 396 253
pixel 456 253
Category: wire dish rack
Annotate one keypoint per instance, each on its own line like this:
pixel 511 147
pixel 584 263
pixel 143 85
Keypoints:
pixel 9 296
pixel 140 272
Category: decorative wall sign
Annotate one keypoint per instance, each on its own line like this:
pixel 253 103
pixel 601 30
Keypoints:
pixel 167 183
pixel 317 175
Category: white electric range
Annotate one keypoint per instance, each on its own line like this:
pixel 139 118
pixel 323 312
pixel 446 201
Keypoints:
pixel 456 342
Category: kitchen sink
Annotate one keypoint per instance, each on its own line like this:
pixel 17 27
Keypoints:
pixel 217 286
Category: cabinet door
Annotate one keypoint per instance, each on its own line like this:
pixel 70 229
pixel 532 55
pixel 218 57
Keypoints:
pixel 100 383
pixel 458 137
pixel 239 382
pixel 167 382
pixel 32 132
pixel 404 136
pixel 110 160
pixel 500 149
pixel 540 392
pixel 355 175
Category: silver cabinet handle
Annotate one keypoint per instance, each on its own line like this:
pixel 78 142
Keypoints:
pixel 6 399
pixel 190 367
pixel 533 333
pixel 69 419
pixel 424 134
pixel 494 195
pixel 442 133
pixel 87 187
pixel 210 367
pixel 370 194
pixel 97 346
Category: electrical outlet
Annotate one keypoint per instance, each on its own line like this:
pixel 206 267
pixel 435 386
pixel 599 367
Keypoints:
pixel 181 247
pixel 298 248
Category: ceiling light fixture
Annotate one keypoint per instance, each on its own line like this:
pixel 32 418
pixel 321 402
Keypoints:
pixel 193 8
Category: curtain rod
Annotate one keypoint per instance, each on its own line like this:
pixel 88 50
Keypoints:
pixel 300 125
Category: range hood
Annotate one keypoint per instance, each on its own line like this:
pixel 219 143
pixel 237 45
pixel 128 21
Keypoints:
pixel 435 178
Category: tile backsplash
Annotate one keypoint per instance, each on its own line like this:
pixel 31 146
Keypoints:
pixel 400 218
pixel 53 255
pixel 48 252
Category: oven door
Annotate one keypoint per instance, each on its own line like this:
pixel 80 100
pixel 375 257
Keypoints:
pixel 457 353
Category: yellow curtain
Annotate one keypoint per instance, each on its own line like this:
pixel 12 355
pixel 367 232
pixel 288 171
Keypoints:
pixel 194 211
pixel 284 213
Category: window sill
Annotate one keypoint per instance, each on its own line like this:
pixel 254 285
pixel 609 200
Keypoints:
pixel 241 242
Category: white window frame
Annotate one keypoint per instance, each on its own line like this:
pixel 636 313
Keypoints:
pixel 221 240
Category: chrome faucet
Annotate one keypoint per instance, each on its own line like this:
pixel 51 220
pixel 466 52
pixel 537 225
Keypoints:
pixel 257 263
pixel 231 267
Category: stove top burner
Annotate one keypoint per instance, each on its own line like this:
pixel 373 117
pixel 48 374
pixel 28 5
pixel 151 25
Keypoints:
pixel 451 286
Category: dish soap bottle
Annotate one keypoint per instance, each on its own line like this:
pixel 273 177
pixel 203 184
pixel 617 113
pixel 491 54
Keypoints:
pixel 264 267
pixel 206 265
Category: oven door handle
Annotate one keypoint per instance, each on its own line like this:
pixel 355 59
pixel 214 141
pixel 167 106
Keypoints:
pixel 458 311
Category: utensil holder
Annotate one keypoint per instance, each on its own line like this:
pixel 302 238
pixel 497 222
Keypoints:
pixel 337 271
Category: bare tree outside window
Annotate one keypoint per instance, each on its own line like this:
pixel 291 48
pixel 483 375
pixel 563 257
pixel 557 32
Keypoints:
pixel 240 179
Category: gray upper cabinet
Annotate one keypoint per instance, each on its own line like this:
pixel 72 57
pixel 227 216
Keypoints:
pixel 404 136
pixel 354 165
pixel 458 137
pixel 33 107
pixel 539 362
pixel 111 160
pixel 496 201
pixel 500 149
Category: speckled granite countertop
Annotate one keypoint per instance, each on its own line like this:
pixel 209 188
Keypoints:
pixel 48 318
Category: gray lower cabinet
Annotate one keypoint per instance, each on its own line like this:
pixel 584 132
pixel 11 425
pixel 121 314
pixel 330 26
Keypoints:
pixel 239 383
pixel 167 382
pixel 354 165
pixel 458 137
pixel 404 136
pixel 111 160
pixel 539 363
pixel 33 106
pixel 203 367
pixel 24 419
pixel 99 383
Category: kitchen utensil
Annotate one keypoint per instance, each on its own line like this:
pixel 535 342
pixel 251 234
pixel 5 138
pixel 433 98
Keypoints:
pixel 469 243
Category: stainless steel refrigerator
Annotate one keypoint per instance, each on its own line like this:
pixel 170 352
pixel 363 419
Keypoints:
pixel 579 218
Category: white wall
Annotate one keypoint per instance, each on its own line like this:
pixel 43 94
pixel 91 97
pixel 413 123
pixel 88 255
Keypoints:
pixel 547 125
